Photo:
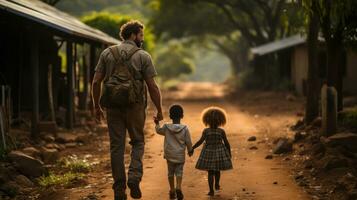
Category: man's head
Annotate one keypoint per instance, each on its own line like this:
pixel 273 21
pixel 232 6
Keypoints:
pixel 133 30
pixel 176 112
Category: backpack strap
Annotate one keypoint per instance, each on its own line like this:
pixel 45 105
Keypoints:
pixel 124 57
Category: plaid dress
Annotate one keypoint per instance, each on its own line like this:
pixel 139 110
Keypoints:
pixel 215 154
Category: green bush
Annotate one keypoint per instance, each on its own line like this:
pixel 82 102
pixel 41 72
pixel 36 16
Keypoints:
pixel 110 23
pixel 348 118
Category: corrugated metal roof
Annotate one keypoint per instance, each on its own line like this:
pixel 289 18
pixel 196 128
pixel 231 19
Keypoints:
pixel 278 45
pixel 49 16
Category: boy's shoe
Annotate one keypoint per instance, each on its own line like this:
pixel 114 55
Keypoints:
pixel 172 195
pixel 211 193
pixel 135 191
pixel 179 194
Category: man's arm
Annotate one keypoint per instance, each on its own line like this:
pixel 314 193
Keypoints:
pixel 155 96
pixel 96 91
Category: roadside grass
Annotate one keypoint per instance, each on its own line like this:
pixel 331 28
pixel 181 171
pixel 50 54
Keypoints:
pixel 67 172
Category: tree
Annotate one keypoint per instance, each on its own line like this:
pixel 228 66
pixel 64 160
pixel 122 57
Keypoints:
pixel 338 24
pixel 173 61
pixel 110 23
pixel 313 79
pixel 235 25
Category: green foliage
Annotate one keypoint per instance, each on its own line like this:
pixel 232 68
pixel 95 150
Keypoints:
pixel 110 23
pixel 348 118
pixel 76 165
pixel 82 7
pixel 63 180
pixel 174 61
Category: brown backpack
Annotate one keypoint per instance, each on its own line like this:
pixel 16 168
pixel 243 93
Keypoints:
pixel 120 88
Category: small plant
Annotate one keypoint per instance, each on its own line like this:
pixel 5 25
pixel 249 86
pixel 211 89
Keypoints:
pixel 76 165
pixel 64 180
pixel 348 118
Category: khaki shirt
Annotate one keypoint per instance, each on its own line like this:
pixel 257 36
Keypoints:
pixel 141 61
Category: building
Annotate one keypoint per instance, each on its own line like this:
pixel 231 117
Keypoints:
pixel 292 54
pixel 47 59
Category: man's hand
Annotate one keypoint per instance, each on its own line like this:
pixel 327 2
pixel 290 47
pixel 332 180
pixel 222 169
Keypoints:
pixel 159 116
pixel 190 153
pixel 99 114
pixel 156 121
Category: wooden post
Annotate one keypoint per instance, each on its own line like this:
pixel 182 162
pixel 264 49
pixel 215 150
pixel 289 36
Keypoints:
pixel 83 103
pixel 92 63
pixel 34 61
pixel 329 110
pixel 70 86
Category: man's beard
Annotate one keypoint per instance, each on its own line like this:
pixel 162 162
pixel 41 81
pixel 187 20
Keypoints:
pixel 138 43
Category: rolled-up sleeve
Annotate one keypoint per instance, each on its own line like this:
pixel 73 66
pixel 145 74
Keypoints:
pixel 101 62
pixel 149 70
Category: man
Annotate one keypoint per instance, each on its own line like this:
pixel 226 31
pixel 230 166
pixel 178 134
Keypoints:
pixel 129 118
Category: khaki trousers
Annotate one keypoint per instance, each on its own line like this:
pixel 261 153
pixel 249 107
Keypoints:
pixel 121 121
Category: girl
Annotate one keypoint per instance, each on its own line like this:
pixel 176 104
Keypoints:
pixel 216 152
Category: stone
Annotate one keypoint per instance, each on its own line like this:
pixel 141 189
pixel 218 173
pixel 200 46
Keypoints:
pixel 317 122
pixel 284 145
pixel 53 146
pixel 335 162
pixel 253 148
pixel 49 138
pixel 47 126
pixel 66 137
pixel 269 157
pixel 27 165
pixel 347 140
pixel 299 125
pixel 31 151
pixel 71 145
pixel 299 136
pixel 290 97
pixel 49 155
pixel 10 188
pixel 23 181
pixel 318 148
pixel 252 138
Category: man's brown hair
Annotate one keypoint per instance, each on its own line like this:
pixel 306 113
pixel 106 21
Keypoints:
pixel 132 26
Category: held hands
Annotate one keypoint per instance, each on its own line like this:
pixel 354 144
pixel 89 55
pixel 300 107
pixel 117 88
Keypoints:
pixel 158 117
pixel 190 153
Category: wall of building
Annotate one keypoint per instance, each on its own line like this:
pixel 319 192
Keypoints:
pixel 350 80
pixel 299 64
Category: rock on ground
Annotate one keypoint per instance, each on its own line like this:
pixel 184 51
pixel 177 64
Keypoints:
pixel 347 140
pixel 284 145
pixel 27 165
pixel 252 138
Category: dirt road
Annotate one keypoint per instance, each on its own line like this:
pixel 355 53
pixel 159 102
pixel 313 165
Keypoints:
pixel 253 176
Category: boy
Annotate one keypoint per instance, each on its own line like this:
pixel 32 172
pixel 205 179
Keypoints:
pixel 177 139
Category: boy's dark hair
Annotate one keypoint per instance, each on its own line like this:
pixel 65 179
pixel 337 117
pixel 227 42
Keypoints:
pixel 129 28
pixel 176 112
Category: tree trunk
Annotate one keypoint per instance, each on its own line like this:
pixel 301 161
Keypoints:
pixel 335 67
pixel 313 83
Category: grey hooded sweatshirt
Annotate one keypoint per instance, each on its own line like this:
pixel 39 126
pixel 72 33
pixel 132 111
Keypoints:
pixel 177 139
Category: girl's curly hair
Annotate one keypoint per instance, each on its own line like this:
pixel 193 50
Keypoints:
pixel 214 117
